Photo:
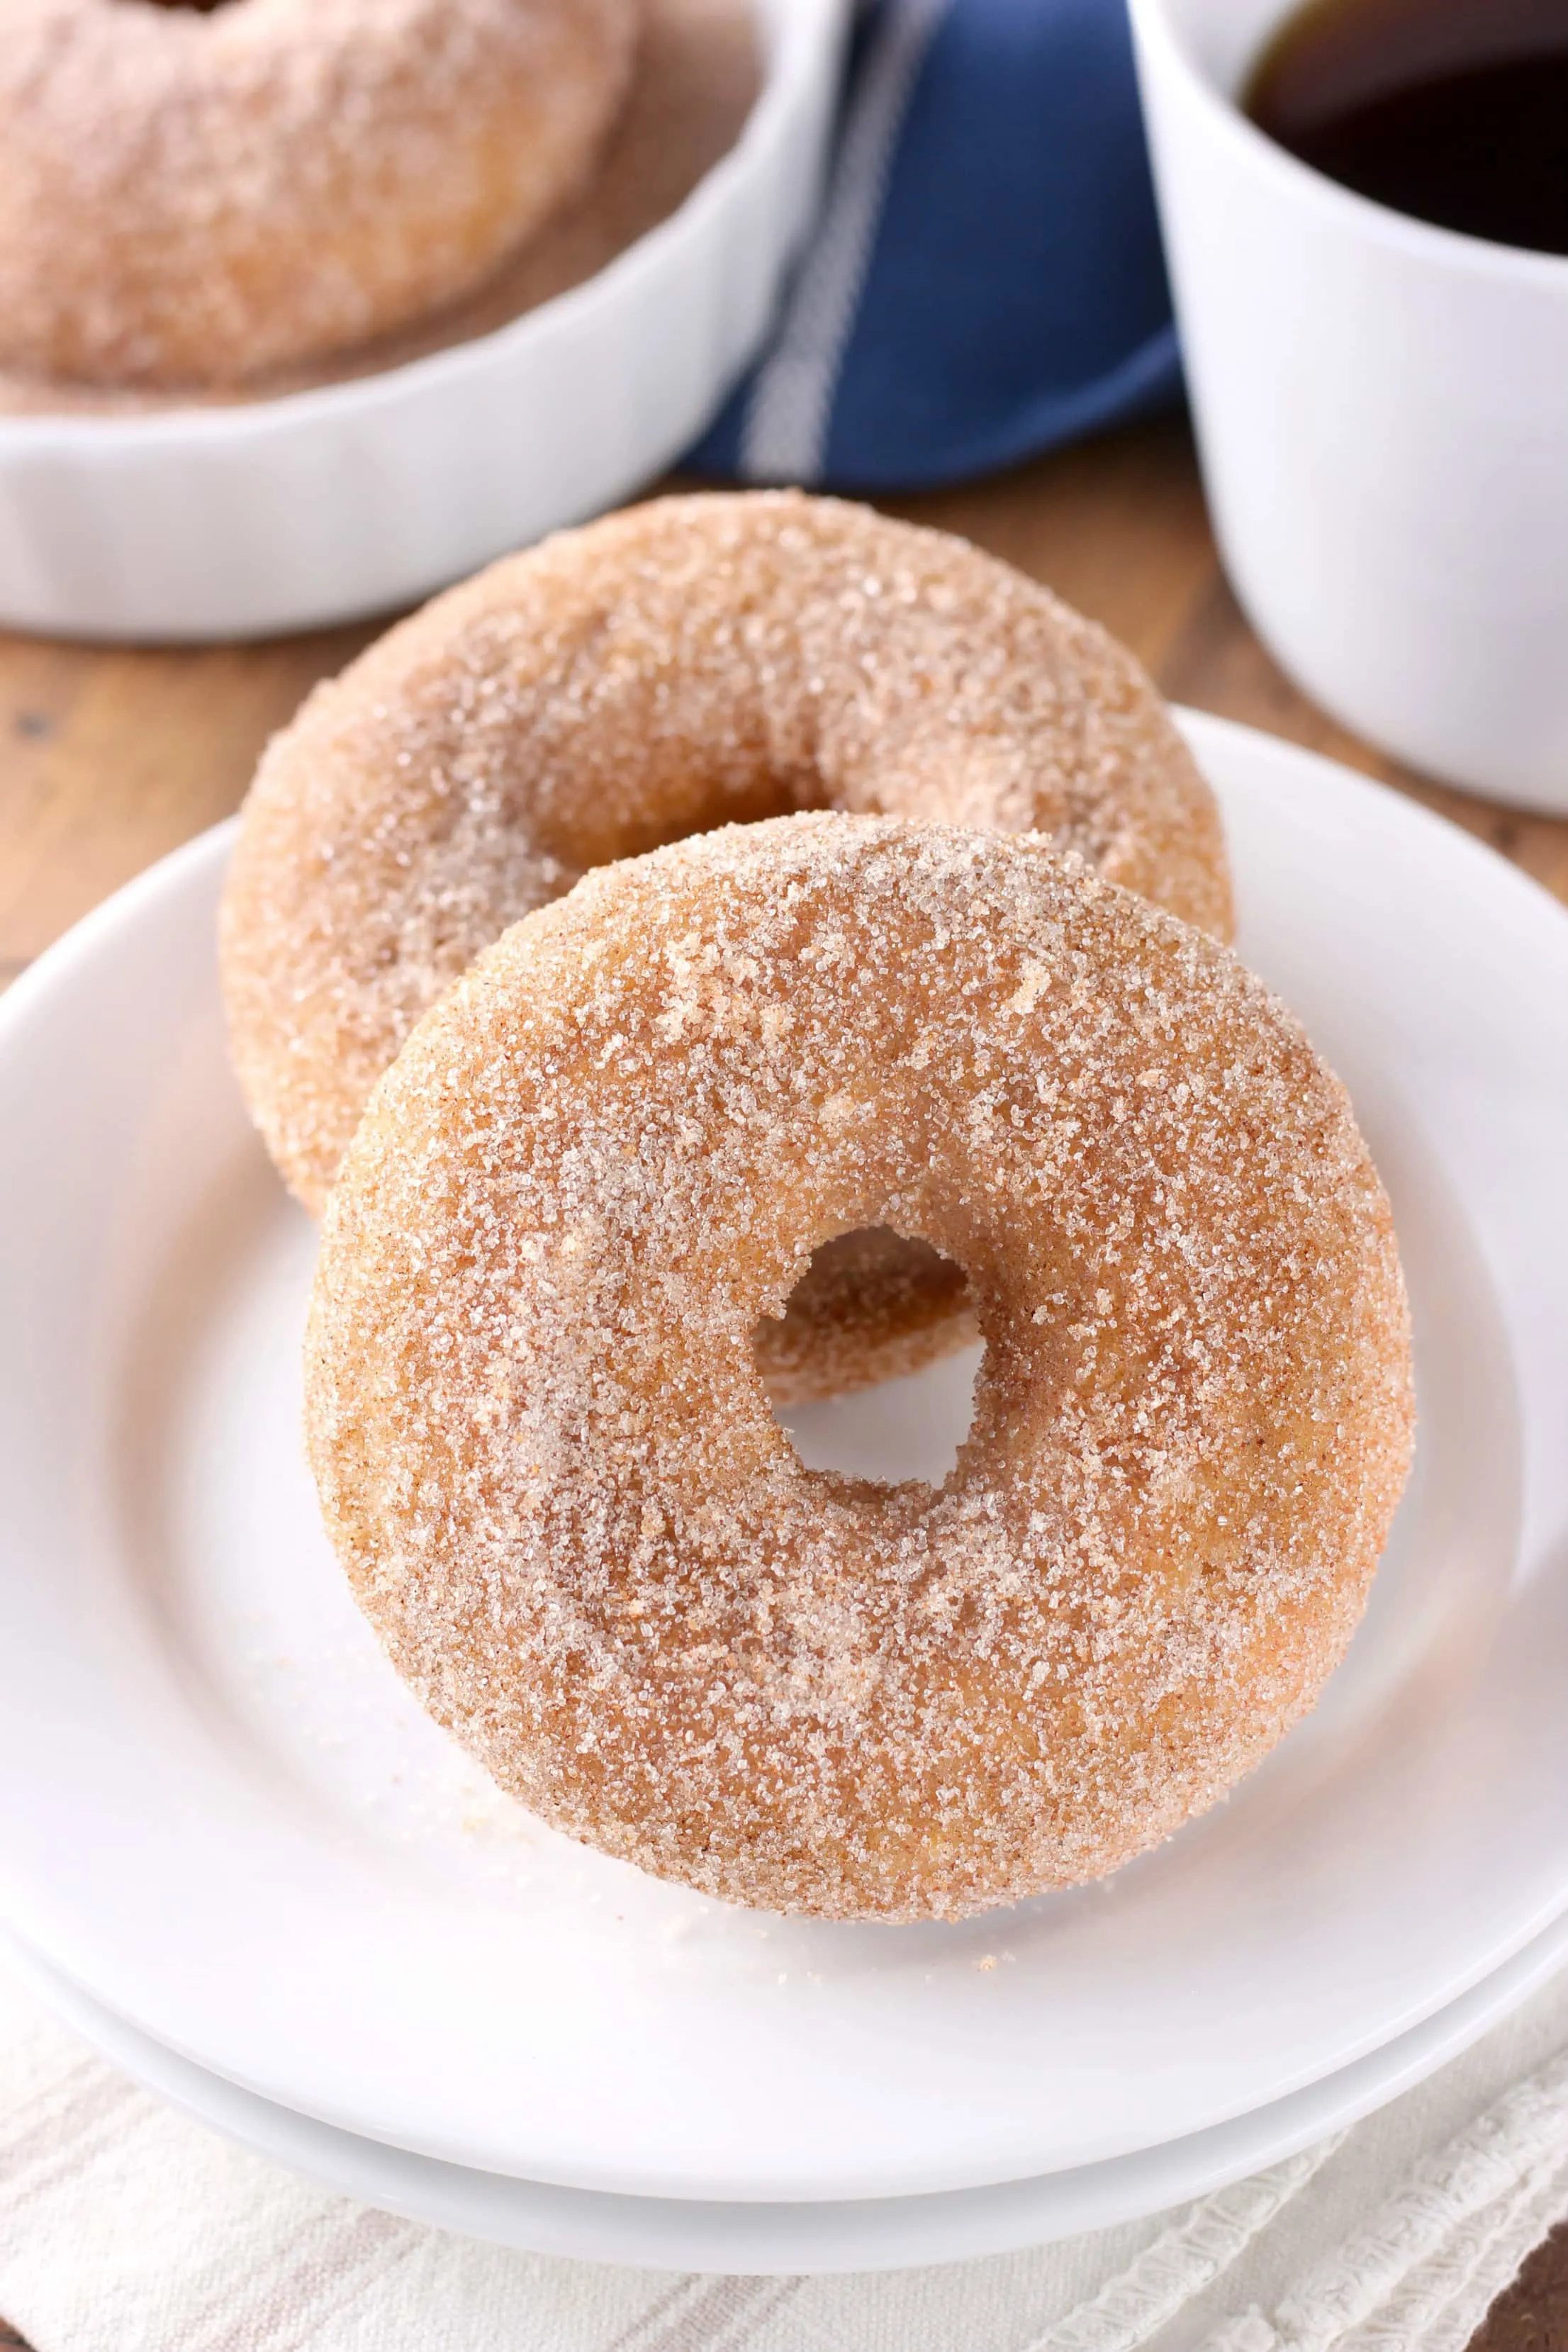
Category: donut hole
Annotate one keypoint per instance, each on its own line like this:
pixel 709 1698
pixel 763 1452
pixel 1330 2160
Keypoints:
pixel 871 1370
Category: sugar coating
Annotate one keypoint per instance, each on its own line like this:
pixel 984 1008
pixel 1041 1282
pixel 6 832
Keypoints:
pixel 688 663
pixel 191 198
pixel 546 1458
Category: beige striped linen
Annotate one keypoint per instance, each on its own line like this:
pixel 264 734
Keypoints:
pixel 124 2227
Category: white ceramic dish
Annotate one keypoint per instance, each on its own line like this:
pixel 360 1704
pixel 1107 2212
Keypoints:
pixel 854 2234
pixel 223 1818
pixel 283 514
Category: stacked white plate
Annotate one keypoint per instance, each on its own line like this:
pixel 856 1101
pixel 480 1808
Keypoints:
pixel 235 1854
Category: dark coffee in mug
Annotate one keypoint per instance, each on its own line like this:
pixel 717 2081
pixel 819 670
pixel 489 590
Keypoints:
pixel 1453 110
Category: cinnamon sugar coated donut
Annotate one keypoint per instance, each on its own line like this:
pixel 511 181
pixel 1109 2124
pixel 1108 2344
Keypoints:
pixel 191 196
pixel 548 1464
pixel 693 661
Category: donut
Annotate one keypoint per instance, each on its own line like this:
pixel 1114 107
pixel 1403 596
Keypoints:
pixel 689 662
pixel 546 1459
pixel 191 196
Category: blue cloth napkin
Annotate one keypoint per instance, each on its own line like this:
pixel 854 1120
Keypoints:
pixel 986 278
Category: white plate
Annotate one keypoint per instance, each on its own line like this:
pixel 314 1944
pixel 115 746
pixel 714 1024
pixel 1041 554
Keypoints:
pixel 223 1818
pixel 854 2234
pixel 244 520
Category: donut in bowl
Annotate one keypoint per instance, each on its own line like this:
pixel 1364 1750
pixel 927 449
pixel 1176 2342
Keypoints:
pixel 191 196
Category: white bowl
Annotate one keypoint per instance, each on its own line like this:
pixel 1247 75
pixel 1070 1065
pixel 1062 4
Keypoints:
pixel 288 514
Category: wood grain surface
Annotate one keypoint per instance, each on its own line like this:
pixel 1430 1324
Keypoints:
pixel 108 758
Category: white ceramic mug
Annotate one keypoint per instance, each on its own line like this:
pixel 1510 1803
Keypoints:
pixel 1382 410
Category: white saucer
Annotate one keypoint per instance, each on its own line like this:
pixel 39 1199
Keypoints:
pixel 855 2234
pixel 222 1816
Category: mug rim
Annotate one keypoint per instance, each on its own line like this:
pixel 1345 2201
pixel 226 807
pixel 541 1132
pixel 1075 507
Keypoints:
pixel 1159 40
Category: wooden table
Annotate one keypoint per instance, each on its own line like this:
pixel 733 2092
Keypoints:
pixel 108 759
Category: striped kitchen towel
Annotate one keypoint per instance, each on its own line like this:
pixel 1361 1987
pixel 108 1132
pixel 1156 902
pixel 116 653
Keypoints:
pixel 986 278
